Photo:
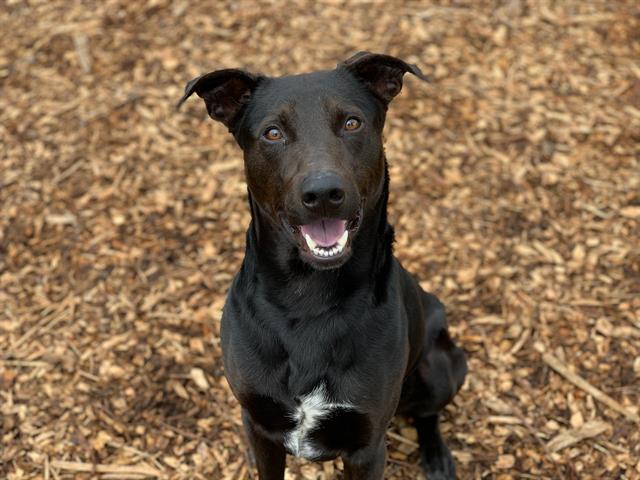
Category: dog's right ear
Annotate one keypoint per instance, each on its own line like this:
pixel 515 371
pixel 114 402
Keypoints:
pixel 225 93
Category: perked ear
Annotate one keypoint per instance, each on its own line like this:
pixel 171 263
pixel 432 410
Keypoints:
pixel 225 93
pixel 382 74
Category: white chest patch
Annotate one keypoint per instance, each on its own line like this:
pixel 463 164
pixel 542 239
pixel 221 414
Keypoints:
pixel 313 407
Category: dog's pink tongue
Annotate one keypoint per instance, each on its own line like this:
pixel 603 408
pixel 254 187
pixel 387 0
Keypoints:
pixel 326 232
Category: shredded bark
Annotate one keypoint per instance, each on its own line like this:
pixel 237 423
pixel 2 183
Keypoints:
pixel 515 194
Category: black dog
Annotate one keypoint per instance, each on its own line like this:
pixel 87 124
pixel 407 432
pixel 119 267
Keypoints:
pixel 325 336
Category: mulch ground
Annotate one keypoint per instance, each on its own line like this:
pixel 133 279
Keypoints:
pixel 515 195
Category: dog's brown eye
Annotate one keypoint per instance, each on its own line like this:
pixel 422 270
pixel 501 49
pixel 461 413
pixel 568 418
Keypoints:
pixel 274 134
pixel 352 123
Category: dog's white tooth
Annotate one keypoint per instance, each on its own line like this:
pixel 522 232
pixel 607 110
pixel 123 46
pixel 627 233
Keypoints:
pixel 343 239
pixel 310 242
pixel 329 251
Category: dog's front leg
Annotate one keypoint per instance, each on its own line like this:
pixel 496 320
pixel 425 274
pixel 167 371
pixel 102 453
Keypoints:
pixel 270 457
pixel 366 464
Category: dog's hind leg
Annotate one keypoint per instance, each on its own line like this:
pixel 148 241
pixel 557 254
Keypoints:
pixel 436 456
pixel 427 390
pixel 433 383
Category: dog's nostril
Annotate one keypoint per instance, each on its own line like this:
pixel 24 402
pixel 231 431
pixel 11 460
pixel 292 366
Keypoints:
pixel 310 199
pixel 323 192
pixel 336 196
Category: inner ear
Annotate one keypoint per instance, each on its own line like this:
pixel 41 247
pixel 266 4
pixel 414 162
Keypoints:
pixel 225 93
pixel 382 74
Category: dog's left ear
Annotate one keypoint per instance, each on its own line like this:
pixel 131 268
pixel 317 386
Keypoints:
pixel 382 74
pixel 225 93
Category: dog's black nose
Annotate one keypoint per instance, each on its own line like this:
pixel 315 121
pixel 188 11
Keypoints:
pixel 323 192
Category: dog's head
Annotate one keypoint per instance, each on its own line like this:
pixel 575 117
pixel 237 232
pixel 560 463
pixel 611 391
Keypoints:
pixel 312 145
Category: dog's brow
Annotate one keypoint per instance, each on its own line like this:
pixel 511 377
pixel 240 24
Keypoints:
pixel 330 104
pixel 287 111
pixel 284 115
pixel 334 106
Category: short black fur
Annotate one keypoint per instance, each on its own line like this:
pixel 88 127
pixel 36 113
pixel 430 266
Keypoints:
pixel 322 349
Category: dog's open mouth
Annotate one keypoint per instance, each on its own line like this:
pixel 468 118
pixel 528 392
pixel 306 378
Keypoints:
pixel 327 237
pixel 327 240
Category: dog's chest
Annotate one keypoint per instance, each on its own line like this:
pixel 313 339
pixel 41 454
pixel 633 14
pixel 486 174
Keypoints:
pixel 318 427
pixel 315 417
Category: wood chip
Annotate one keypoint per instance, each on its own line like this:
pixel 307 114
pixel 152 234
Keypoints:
pixel 113 469
pixel 198 377
pixel 581 383
pixel 571 437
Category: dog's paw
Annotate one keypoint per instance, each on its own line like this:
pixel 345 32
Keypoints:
pixel 440 465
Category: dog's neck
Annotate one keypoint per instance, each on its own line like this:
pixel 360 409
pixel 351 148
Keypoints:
pixel 273 260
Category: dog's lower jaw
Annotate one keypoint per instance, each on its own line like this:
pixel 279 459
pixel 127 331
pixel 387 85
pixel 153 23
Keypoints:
pixel 327 263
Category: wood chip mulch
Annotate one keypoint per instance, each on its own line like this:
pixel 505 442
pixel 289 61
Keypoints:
pixel 515 196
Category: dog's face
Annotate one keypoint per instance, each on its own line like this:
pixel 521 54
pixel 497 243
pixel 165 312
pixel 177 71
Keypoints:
pixel 312 145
